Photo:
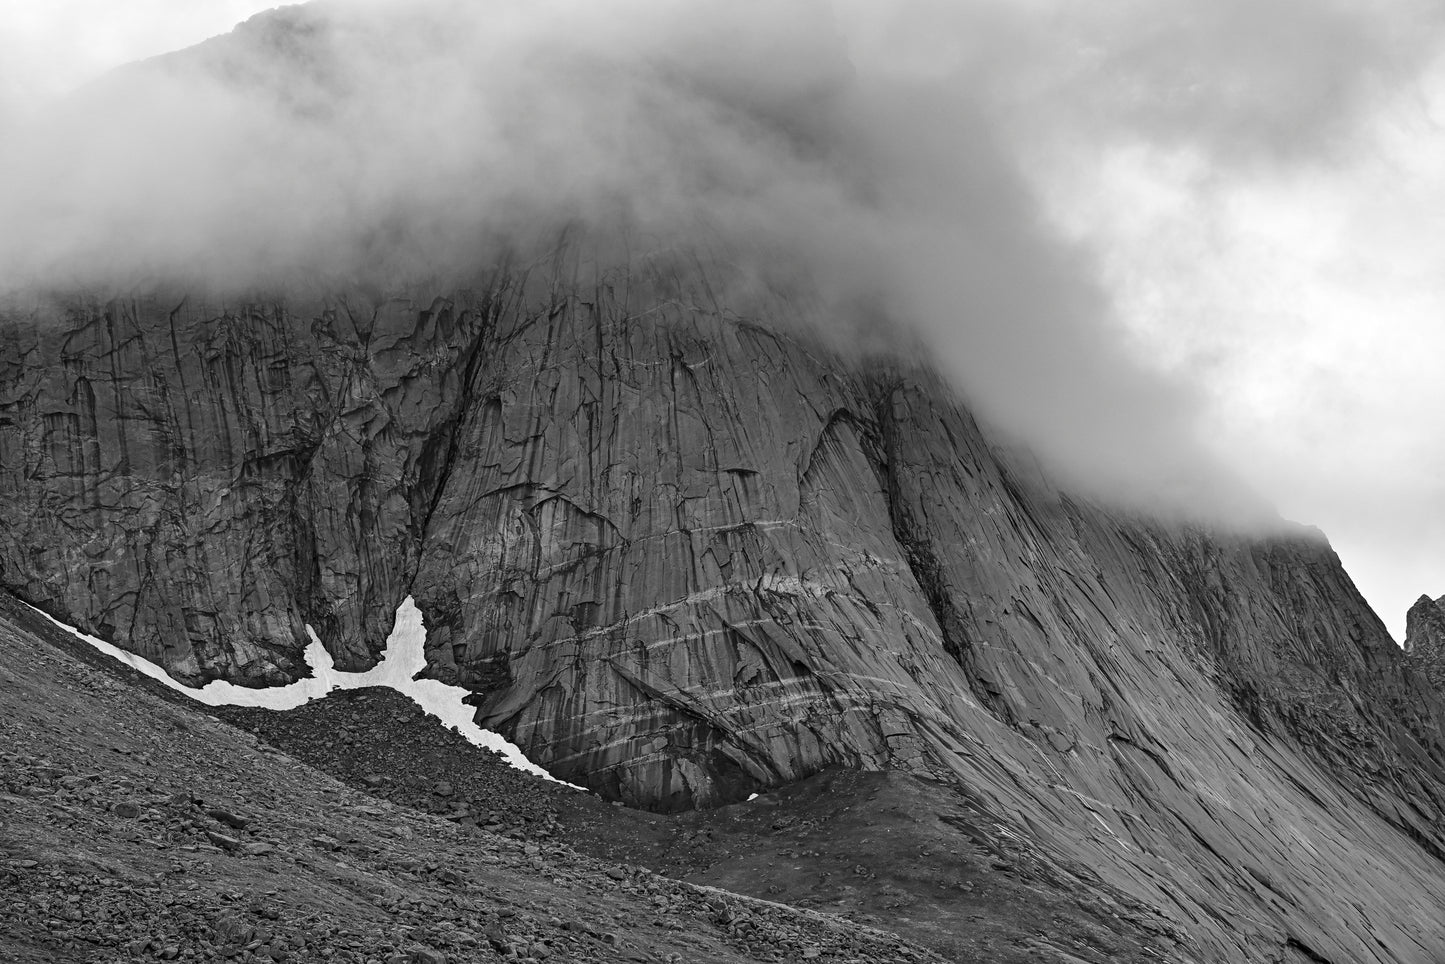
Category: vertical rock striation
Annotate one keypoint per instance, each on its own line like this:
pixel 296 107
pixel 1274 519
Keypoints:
pixel 196 479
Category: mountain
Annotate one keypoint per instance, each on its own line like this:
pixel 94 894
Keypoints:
pixel 681 555
pixel 683 548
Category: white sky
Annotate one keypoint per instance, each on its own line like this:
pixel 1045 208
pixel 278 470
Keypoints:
pixel 1306 301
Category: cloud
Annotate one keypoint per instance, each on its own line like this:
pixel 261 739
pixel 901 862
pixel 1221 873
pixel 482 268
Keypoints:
pixel 917 161
pixel 1304 302
pixel 49 48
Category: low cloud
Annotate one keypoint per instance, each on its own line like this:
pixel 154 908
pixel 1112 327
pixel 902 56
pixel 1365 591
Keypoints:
pixel 902 157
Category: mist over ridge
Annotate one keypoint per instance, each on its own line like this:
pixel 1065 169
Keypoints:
pixel 883 161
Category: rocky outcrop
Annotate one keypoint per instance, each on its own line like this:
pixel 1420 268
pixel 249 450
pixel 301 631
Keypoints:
pixel 197 480
pixel 1425 637
pixel 680 552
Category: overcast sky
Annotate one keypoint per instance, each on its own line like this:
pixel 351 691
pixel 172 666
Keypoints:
pixel 1288 267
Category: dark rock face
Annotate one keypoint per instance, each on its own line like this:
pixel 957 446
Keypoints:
pixel 680 554
pixel 1425 637
pixel 195 481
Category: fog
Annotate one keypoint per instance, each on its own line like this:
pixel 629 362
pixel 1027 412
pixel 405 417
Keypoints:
pixel 938 171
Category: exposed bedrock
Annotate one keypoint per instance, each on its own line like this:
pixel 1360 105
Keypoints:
pixel 680 552
pixel 1425 638
pixel 196 480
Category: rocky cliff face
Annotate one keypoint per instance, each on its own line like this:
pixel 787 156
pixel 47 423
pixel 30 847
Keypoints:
pixel 680 552
pixel 1425 637
pixel 196 480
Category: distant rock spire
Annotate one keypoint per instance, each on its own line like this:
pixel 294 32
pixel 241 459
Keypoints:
pixel 1425 636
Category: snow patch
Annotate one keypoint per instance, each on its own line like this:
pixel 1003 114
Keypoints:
pixel 403 658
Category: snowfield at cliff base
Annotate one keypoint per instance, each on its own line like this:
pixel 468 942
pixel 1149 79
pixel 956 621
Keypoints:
pixel 403 658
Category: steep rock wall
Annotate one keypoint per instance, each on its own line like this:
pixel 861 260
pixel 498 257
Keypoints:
pixel 197 479
pixel 679 552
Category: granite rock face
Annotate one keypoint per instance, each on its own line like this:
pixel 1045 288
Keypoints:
pixel 1425 637
pixel 196 481
pixel 680 552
